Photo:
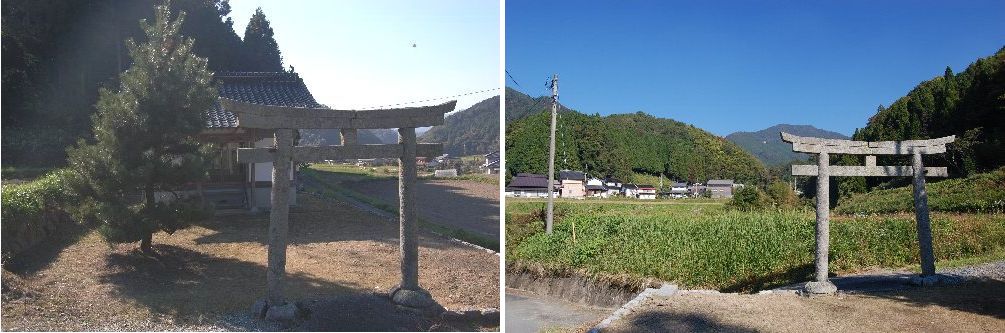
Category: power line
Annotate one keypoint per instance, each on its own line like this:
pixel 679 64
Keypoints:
pixel 430 99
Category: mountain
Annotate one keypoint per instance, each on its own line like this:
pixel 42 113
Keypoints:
pixel 768 147
pixel 627 146
pixel 520 105
pixel 381 135
pixel 970 105
pixel 471 131
pixel 321 137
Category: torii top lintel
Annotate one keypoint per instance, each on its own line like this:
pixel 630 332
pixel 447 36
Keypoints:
pixel 251 115
pixel 834 146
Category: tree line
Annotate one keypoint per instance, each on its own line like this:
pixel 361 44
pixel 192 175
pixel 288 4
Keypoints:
pixel 624 145
pixel 57 55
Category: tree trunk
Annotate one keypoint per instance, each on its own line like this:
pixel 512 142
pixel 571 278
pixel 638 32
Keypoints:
pixel 146 242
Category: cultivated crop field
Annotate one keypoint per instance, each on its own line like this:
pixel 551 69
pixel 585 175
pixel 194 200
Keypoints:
pixel 706 245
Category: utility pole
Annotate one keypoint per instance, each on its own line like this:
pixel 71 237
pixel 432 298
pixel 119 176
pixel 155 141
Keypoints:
pixel 551 156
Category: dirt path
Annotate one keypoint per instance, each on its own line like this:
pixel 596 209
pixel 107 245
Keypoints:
pixel 976 306
pixel 206 277
pixel 468 205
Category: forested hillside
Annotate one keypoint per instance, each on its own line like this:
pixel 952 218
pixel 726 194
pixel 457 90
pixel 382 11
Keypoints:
pixel 471 131
pixel 970 105
pixel 624 145
pixel 520 105
pixel 57 54
pixel 768 147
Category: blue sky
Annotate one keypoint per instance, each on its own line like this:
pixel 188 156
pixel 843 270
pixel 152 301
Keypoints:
pixel 728 66
pixel 355 54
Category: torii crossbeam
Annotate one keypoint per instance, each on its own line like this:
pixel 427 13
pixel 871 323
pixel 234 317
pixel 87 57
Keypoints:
pixel 284 120
pixel 823 171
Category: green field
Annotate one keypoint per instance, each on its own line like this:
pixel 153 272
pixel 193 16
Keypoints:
pixel 706 245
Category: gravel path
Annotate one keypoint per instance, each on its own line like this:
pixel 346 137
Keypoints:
pixel 878 280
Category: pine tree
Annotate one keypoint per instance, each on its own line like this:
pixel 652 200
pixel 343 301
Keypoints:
pixel 144 138
pixel 262 51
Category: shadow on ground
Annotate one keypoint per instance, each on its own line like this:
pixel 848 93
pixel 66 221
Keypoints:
pixel 43 254
pixel 369 313
pixel 187 284
pixel 654 321
pixel 983 297
pixel 761 282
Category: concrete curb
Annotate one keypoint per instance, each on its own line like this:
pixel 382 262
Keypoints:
pixel 664 291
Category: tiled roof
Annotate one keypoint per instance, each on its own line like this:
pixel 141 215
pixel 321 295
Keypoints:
pixel 492 160
pixel 571 175
pixel 267 88
pixel 713 182
pixel 529 181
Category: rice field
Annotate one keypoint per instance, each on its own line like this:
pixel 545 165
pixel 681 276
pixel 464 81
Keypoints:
pixel 710 246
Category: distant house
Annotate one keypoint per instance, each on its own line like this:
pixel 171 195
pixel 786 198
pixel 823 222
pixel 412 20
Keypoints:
pixel 595 188
pixel 573 184
pixel 630 190
pixel 679 190
pixel 491 165
pixel 647 192
pixel 529 185
pixel 696 190
pixel 613 186
pixel 720 188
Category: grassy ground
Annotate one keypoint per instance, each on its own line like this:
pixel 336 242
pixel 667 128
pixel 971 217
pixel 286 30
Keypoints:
pixel 709 246
pixel 981 193
pixel 207 273
pixel 342 179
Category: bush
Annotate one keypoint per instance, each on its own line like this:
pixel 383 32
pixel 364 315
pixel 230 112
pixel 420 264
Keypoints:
pixel 749 198
pixel 781 195
pixel 32 211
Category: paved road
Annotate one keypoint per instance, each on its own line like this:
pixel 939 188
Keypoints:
pixel 530 313
pixel 468 205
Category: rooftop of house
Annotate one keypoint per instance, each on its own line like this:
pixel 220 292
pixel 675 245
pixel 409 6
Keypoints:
pixel 267 88
pixel 679 184
pixel 629 186
pixel 571 175
pixel 528 181
pixel 720 182
pixel 647 187
pixel 492 160
pixel 596 188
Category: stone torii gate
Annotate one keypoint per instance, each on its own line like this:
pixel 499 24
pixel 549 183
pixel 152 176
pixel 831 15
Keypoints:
pixel 823 171
pixel 284 120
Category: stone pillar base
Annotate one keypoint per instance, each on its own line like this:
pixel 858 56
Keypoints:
pixel 819 288
pixel 932 280
pixel 287 312
pixel 418 301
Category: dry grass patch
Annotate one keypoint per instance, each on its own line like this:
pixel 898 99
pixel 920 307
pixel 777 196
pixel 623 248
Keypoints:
pixel 217 269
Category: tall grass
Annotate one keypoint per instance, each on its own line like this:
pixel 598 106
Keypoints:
pixel 981 193
pixel 707 246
